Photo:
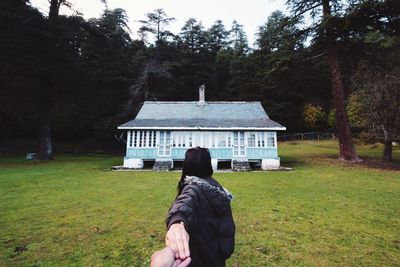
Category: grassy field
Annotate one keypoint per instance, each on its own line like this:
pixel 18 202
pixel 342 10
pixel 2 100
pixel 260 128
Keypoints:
pixel 73 211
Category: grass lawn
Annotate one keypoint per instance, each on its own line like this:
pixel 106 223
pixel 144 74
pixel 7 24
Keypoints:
pixel 73 211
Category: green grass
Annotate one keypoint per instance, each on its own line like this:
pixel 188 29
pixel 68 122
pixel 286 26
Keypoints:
pixel 73 211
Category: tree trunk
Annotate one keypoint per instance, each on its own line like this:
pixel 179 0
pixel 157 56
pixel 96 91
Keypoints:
pixel 347 149
pixel 387 141
pixel 54 9
pixel 45 145
pixel 387 151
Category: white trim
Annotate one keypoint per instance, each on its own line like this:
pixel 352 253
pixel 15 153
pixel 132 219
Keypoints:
pixel 207 128
pixel 128 138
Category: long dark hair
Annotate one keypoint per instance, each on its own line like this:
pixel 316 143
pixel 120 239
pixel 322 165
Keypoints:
pixel 197 163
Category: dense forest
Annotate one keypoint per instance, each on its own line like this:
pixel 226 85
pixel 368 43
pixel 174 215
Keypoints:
pixel 65 78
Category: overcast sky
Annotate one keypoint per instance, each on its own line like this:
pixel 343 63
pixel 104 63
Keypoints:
pixel 250 13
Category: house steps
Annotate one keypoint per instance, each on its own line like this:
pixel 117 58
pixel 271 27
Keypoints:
pixel 240 166
pixel 162 166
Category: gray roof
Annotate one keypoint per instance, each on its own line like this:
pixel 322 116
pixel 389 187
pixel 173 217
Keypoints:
pixel 207 115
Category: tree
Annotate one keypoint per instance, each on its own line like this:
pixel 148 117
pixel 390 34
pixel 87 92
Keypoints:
pixel 155 24
pixel 45 56
pixel 314 116
pixel 113 62
pixel 217 37
pixel 238 38
pixel 379 96
pixel 282 74
pixel 327 34
pixel 193 36
pixel 280 33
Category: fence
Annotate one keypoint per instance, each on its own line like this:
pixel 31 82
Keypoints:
pixel 307 136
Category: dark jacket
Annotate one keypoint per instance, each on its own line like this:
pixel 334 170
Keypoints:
pixel 204 207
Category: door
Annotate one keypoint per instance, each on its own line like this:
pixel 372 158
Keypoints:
pixel 164 148
pixel 239 147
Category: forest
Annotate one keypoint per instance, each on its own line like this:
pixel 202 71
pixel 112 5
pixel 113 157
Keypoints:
pixel 329 65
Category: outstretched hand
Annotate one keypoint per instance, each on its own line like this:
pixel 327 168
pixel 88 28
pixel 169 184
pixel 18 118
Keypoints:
pixel 166 258
pixel 178 240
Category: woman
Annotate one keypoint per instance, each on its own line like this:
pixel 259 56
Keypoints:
pixel 200 223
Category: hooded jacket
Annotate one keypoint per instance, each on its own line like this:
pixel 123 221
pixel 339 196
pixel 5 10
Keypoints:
pixel 204 208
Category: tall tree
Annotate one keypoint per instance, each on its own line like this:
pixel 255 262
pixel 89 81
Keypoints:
pixel 238 38
pixel 193 35
pixel 52 82
pixel 326 31
pixel 379 95
pixel 217 37
pixel 156 23
pixel 110 58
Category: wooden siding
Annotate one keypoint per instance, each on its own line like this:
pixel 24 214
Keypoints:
pixel 224 145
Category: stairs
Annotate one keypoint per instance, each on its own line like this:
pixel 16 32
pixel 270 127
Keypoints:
pixel 164 165
pixel 240 166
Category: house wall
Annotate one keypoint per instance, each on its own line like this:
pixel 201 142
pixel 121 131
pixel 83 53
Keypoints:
pixel 225 145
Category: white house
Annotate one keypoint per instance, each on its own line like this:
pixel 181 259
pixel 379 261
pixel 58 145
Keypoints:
pixel 238 132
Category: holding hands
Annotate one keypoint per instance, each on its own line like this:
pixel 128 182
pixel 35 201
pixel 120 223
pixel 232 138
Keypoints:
pixel 178 239
pixel 166 258
pixel 177 253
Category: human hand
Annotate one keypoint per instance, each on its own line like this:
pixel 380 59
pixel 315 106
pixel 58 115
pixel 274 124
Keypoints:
pixel 178 239
pixel 166 258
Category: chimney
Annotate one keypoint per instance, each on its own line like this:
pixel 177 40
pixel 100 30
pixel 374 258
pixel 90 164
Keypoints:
pixel 202 94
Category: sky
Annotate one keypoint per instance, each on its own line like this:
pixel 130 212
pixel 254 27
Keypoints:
pixel 251 13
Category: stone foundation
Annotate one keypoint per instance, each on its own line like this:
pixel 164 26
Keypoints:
pixel 270 164
pixel 133 163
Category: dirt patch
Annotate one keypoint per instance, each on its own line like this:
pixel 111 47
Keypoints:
pixel 380 164
pixel 372 163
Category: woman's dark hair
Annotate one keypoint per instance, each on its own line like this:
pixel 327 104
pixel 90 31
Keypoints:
pixel 197 163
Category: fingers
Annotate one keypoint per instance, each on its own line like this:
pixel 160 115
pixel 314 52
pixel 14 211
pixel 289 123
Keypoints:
pixel 181 246
pixel 164 257
pixel 185 263
pixel 178 239
pixel 182 240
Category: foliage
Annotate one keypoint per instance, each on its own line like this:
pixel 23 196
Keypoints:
pixel 379 98
pixel 314 116
pixel 94 76
pixel 155 24
pixel 355 111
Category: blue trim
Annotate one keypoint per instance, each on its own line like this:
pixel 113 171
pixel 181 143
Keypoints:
pixel 141 153
pixel 178 153
pixel 221 153
pixel 262 153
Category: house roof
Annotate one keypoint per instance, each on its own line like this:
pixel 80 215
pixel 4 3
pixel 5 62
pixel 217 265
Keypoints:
pixel 208 115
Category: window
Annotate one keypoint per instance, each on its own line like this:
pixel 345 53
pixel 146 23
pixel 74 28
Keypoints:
pixel 239 147
pixel 145 137
pixel 135 133
pixel 181 139
pixel 235 144
pixel 270 139
pixel 241 143
pixel 221 140
pixel 149 139
pixel 140 138
pixel 251 140
pixel 168 143
pixel 164 148
pixel 130 138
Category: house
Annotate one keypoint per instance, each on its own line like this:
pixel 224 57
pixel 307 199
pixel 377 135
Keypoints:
pixel 236 132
